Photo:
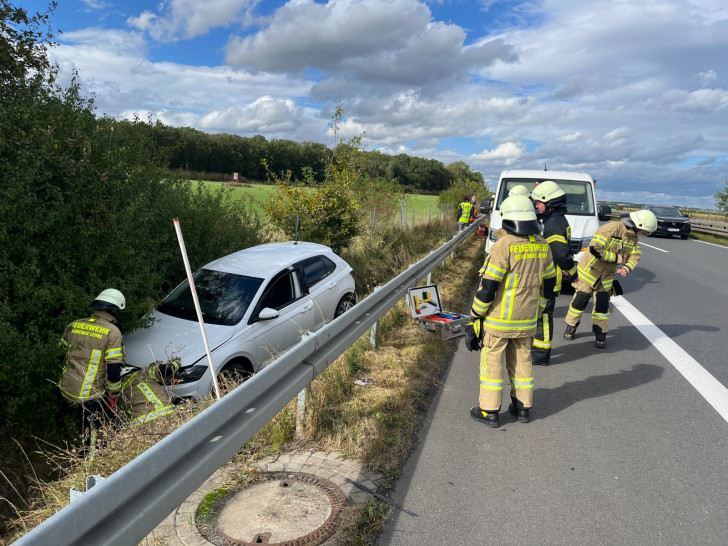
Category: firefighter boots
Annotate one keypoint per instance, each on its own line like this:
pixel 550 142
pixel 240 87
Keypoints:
pixel 570 332
pixel 523 414
pixel 489 418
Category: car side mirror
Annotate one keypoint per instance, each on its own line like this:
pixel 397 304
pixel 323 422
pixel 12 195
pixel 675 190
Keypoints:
pixel 267 314
pixel 486 209
pixel 686 215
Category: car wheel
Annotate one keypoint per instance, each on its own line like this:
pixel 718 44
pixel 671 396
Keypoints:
pixel 345 303
pixel 235 372
pixel 683 237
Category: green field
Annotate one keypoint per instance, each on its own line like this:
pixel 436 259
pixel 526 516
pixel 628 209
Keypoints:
pixel 424 205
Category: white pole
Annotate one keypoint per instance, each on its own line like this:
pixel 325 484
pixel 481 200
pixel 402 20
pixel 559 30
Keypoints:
pixel 197 305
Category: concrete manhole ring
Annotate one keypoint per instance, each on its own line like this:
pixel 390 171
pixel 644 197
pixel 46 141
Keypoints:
pixel 287 509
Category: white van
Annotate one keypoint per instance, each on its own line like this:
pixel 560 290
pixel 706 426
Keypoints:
pixel 581 203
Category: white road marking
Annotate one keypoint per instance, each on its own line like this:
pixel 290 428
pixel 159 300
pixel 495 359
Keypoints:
pixel 650 246
pixel 708 386
pixel 711 244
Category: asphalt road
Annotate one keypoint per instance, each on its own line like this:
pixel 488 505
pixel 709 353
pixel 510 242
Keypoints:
pixel 622 448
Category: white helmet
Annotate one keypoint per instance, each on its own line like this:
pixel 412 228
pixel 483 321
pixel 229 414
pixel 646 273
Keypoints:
pixel 642 219
pixel 110 298
pixel 518 216
pixel 520 189
pixel 547 191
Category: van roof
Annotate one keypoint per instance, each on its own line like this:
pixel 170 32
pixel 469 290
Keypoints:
pixel 546 175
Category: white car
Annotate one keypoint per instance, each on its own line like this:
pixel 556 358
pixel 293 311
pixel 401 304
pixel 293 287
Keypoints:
pixel 255 303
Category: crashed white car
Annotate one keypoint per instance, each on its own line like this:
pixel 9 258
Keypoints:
pixel 255 303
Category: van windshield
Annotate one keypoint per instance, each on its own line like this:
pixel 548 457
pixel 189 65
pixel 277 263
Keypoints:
pixel 579 193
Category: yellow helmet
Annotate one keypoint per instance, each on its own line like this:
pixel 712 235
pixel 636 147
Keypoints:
pixel 519 190
pixel 518 216
pixel 546 191
pixel 642 219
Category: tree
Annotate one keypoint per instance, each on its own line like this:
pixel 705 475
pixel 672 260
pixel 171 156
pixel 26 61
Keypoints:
pixel 721 198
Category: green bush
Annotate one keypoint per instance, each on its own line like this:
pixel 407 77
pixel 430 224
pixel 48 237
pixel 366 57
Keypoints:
pixel 84 205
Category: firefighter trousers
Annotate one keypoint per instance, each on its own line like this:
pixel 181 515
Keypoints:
pixel 516 353
pixel 541 350
pixel 600 312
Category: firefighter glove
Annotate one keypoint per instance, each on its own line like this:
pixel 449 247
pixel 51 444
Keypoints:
pixel 474 335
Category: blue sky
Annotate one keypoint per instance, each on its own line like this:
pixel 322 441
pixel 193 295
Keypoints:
pixel 634 93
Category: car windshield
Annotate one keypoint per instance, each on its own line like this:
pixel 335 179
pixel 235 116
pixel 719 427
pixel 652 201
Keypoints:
pixel 670 212
pixel 579 196
pixel 224 297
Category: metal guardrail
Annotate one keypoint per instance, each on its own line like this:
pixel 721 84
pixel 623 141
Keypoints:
pixel 129 504
pixel 709 226
pixel 701 226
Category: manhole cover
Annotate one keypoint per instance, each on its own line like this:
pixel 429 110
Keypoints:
pixel 286 510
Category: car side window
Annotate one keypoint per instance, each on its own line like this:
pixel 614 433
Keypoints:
pixel 316 269
pixel 282 292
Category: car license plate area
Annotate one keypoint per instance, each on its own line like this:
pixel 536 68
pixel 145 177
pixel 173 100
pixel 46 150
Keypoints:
pixel 673 229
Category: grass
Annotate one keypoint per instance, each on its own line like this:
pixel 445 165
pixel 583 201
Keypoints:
pixel 424 206
pixel 374 424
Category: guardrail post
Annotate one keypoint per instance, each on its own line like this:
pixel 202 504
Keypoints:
pixel 375 328
pixel 301 413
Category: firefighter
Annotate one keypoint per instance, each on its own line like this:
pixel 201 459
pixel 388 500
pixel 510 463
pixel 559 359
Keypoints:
pixel 464 211
pixel 508 302
pixel 520 189
pixel 94 355
pixel 550 202
pixel 613 249
pixel 142 397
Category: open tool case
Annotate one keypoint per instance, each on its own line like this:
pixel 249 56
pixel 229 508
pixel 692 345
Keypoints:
pixel 426 307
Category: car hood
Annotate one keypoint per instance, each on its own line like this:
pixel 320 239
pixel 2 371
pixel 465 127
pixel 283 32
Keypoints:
pixel 171 337
pixel 675 219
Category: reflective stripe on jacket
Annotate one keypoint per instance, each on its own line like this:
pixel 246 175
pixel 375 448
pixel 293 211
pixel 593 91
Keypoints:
pixel 91 345
pixel 143 398
pixel 519 264
pixel 557 232
pixel 611 241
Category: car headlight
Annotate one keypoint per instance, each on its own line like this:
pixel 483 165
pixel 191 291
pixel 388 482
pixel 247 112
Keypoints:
pixel 190 374
pixel 585 244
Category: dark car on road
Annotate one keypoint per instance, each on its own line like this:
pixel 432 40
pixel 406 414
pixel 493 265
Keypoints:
pixel 670 221
pixel 604 211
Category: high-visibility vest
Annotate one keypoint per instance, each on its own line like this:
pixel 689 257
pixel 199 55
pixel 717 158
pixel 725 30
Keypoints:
pixel 465 208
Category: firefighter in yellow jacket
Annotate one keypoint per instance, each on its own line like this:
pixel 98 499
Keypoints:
pixel 94 355
pixel 142 396
pixel 613 249
pixel 517 279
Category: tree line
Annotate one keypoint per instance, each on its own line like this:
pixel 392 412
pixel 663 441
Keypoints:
pixel 188 149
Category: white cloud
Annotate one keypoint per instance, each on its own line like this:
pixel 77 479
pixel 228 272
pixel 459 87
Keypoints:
pixel 375 41
pixel 186 19
pixel 507 153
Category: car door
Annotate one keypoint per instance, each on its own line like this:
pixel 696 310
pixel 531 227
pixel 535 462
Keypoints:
pixel 270 337
pixel 321 282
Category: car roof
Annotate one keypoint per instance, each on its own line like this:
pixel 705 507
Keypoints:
pixel 267 259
